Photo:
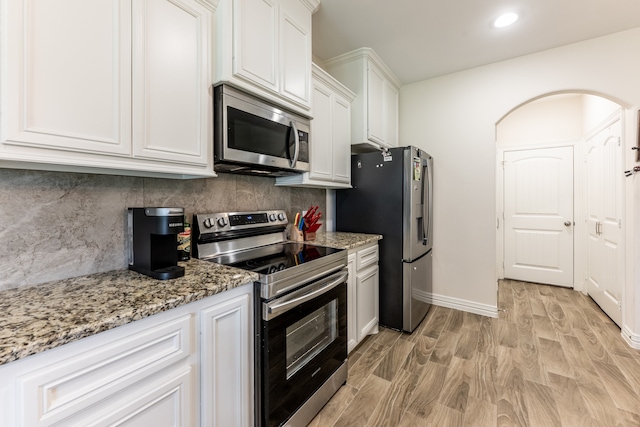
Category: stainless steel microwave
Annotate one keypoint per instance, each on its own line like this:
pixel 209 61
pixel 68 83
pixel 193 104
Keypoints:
pixel 254 137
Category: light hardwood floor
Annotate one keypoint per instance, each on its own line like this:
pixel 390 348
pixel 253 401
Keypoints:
pixel 552 358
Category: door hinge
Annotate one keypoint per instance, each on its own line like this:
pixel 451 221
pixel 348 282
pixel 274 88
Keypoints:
pixel 619 141
pixel 619 305
pixel 620 223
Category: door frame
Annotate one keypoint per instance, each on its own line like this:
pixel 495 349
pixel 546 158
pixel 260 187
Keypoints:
pixel 579 200
pixel 578 209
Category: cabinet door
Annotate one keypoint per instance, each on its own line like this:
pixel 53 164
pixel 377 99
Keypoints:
pixel 341 140
pixel 163 400
pixel 172 74
pixel 391 115
pixel 226 364
pixel 295 56
pixel 375 104
pixel 367 301
pixel 67 75
pixel 352 328
pixel 125 376
pixel 255 42
pixel 321 142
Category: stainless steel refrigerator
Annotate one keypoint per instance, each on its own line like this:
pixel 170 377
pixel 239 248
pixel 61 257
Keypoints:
pixel 392 195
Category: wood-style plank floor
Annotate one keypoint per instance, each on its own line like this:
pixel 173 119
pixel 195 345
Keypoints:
pixel 552 358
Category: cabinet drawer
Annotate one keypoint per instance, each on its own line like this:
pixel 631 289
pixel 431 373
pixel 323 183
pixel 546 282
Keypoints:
pixel 367 257
pixel 65 387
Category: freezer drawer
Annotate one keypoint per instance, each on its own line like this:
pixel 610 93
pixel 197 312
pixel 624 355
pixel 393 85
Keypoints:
pixel 417 288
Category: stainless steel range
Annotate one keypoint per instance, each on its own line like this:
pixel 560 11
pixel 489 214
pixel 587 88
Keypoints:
pixel 301 310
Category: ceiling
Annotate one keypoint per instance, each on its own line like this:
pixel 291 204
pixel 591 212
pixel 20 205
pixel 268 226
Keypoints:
pixel 420 39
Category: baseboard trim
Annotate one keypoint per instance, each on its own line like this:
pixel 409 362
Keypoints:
pixel 463 305
pixel 631 338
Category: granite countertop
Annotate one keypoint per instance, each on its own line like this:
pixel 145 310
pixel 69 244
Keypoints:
pixel 344 240
pixel 41 317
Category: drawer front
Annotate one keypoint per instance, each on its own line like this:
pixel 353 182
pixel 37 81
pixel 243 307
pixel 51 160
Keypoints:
pixel 367 257
pixel 164 399
pixel 67 386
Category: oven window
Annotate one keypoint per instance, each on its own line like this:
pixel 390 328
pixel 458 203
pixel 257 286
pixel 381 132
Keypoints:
pixel 310 335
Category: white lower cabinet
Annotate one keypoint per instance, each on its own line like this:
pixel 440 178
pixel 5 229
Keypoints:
pixel 362 294
pixel 226 368
pixel 189 366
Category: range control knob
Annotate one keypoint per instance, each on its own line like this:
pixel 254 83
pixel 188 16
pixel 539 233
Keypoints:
pixel 272 217
pixel 207 223
pixel 222 222
pixel 281 216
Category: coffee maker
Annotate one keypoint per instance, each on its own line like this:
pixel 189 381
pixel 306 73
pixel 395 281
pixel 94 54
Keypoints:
pixel 153 241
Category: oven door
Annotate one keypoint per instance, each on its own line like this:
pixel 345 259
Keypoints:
pixel 303 343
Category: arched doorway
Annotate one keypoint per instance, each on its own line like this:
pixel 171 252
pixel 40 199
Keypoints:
pixel 560 172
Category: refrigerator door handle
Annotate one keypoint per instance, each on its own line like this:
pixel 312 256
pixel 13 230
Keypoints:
pixel 427 202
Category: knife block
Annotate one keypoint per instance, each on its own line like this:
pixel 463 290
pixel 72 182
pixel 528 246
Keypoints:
pixel 309 235
pixel 295 235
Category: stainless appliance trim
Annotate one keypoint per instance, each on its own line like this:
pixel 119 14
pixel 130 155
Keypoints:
pixel 416 285
pixel 208 223
pixel 227 96
pixel 285 303
pixel 164 211
pixel 415 212
pixel 296 138
pixel 214 249
pixel 284 281
pixel 314 404
pixel 428 209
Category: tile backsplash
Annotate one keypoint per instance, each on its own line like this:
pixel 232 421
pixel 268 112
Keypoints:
pixel 57 225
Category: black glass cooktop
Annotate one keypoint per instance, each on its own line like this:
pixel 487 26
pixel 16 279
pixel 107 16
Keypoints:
pixel 273 258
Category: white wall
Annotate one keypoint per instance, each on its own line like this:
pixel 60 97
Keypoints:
pixel 551 119
pixel 453 117
pixel 594 110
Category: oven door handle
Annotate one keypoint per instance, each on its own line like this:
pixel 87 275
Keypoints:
pixel 276 308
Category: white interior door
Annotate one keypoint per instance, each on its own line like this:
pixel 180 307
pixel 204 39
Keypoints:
pixel 604 226
pixel 538 215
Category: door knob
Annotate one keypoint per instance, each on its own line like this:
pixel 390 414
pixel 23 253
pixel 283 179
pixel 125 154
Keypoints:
pixel 567 223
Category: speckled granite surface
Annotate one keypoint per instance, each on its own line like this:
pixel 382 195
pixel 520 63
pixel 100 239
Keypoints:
pixel 343 240
pixel 41 317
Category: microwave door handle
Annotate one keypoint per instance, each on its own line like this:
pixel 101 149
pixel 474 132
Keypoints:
pixel 296 138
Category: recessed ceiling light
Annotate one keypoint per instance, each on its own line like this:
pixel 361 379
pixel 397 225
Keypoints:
pixel 505 20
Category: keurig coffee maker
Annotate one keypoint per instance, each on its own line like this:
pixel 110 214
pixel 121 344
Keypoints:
pixel 153 241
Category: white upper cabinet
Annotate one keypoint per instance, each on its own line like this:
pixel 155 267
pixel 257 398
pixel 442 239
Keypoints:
pixel 172 108
pixel 330 137
pixel 264 47
pixel 108 86
pixel 67 75
pixel 255 42
pixel 374 111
